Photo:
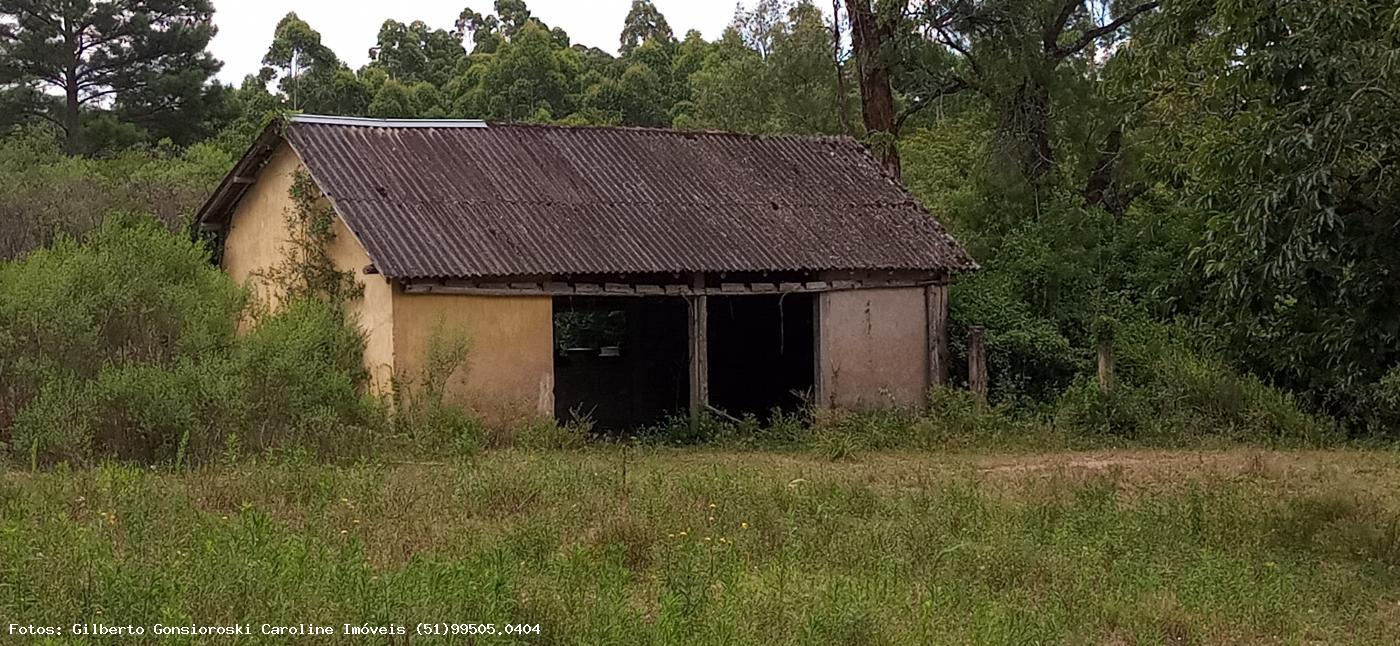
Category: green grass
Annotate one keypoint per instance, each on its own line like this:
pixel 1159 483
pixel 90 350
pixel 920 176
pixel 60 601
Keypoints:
pixel 613 545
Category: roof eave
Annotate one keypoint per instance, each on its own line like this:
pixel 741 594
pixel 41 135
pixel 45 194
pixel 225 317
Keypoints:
pixel 225 199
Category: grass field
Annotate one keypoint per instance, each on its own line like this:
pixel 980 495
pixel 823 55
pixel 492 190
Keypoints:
pixel 611 545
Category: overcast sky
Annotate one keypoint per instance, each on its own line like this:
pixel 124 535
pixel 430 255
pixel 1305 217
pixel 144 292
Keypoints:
pixel 349 27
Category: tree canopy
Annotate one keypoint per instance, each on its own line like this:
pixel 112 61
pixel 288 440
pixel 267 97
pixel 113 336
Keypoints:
pixel 1205 179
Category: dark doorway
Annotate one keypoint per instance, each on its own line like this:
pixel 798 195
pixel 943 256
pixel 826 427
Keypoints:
pixel 762 352
pixel 621 361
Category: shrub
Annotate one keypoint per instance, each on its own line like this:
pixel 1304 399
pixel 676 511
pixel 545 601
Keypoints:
pixel 1185 397
pixel 305 357
pixel 75 316
pixel 124 345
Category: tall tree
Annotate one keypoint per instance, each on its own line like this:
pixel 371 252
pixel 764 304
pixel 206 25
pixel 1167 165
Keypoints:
pixel 89 51
pixel 644 22
pixel 1012 52
pixel 872 37
pixel 1277 121
pixel 309 74
pixel 414 52
pixel 807 96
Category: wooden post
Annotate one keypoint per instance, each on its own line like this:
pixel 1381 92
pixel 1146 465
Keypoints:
pixel 936 298
pixel 699 354
pixel 977 363
pixel 1106 366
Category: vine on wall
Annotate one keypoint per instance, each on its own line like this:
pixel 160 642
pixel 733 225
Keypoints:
pixel 306 270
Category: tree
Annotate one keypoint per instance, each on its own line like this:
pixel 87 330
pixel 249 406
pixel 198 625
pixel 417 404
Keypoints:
pixel 309 74
pixel 644 22
pixel 484 30
pixel 413 52
pixel 1276 121
pixel 1012 52
pixel 731 90
pixel 807 95
pixel 524 79
pixel 149 52
pixel 871 37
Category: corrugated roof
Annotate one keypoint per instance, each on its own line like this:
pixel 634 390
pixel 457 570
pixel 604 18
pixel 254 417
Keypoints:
pixel 514 199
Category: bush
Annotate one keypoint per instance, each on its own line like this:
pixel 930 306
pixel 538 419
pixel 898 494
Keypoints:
pixel 302 363
pixel 1186 397
pixel 124 345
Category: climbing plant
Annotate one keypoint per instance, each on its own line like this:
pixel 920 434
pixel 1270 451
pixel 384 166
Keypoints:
pixel 306 269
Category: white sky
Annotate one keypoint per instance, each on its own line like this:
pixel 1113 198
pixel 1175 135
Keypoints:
pixel 349 27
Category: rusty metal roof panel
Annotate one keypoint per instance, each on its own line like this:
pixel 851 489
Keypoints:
pixel 513 199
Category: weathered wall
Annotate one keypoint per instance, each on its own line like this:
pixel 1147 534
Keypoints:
pixel 509 373
pixel 374 310
pixel 258 228
pixel 256 240
pixel 872 348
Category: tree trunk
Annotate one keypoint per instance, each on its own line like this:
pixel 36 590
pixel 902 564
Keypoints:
pixel 876 95
pixel 72 117
pixel 72 126
pixel 841 115
pixel 1026 126
pixel 1107 187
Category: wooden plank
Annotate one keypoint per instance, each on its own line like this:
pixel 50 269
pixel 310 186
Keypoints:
pixel 699 354
pixel 628 289
pixel 936 300
pixel 977 362
pixel 1106 366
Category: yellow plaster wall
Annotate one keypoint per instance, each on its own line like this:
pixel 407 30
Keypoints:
pixel 255 242
pixel 257 230
pixel 374 310
pixel 509 373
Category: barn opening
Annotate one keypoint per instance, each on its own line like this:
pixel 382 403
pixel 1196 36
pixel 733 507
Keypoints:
pixel 622 362
pixel 761 353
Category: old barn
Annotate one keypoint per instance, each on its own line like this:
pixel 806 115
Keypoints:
pixel 623 273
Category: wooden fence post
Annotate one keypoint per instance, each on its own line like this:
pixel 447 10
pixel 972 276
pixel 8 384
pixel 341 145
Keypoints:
pixel 936 300
pixel 977 363
pixel 699 354
pixel 1106 366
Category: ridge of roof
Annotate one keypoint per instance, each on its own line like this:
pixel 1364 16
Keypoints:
pixel 369 122
pixel 678 132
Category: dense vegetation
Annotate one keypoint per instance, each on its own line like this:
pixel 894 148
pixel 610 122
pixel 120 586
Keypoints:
pixel 1204 183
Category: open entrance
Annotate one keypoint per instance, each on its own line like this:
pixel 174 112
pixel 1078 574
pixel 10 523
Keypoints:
pixel 622 362
pixel 762 352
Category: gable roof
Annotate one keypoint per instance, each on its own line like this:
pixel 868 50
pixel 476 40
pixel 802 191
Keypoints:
pixel 463 199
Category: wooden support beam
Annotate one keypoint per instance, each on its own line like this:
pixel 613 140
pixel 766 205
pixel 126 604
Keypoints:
pixel 977 362
pixel 936 299
pixel 699 353
pixel 1106 366
pixel 497 288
